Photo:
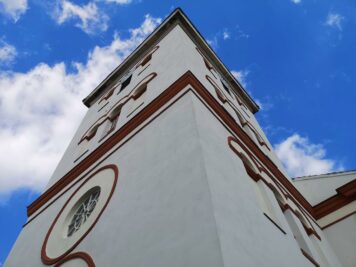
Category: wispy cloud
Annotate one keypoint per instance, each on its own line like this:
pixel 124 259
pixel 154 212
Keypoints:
pixel 296 1
pixel 334 20
pixel 300 157
pixel 7 53
pixel 13 9
pixel 120 2
pixel 226 34
pixel 240 33
pixel 213 42
pixel 241 76
pixel 35 125
pixel 89 17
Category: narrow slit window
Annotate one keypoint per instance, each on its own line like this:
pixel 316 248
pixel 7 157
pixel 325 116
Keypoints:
pixel 225 87
pixel 126 83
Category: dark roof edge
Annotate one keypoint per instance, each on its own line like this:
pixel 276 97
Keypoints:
pixel 316 176
pixel 176 15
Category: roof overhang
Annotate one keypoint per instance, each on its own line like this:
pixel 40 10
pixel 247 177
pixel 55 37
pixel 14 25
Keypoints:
pixel 177 16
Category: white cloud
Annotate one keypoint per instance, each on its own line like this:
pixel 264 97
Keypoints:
pixel 296 1
pixel 241 76
pixel 213 42
pixel 334 20
pixel 240 33
pixel 300 157
pixel 13 8
pixel 120 2
pixel 226 34
pixel 90 19
pixel 41 108
pixel 7 53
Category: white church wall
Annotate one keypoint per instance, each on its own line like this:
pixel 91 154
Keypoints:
pixel 247 237
pixel 160 212
pixel 342 237
pixel 318 188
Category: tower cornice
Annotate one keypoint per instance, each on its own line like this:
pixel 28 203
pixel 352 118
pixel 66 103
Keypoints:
pixel 176 17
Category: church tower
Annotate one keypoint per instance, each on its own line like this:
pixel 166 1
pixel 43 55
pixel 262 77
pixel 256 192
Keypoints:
pixel 169 167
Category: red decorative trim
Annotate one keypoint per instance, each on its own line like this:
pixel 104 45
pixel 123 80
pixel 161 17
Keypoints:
pixel 345 195
pixel 339 220
pixel 347 190
pixel 206 62
pixel 218 90
pixel 276 175
pixel 259 138
pixel 120 103
pixel 310 258
pixel 57 196
pixel 77 255
pixel 45 258
pixel 108 95
pixel 256 177
pixel 186 79
pixel 147 57
pixel 308 228
pixel 95 124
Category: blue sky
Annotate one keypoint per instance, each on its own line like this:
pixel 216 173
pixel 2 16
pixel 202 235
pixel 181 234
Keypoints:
pixel 296 58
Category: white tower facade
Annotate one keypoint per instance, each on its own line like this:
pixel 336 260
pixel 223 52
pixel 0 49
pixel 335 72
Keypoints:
pixel 169 167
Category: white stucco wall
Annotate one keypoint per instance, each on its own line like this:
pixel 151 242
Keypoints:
pixel 342 237
pixel 160 213
pixel 318 188
pixel 188 209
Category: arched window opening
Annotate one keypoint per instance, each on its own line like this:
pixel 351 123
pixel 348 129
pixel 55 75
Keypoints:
pixel 138 99
pixel 147 58
pixel 137 93
pixel 91 132
pixel 104 100
pixel 107 95
pixel 112 119
pixel 137 96
pixel 109 127
pixel 115 111
pixel 218 91
pixel 84 142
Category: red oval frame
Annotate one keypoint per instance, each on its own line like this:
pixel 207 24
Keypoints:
pixel 47 260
